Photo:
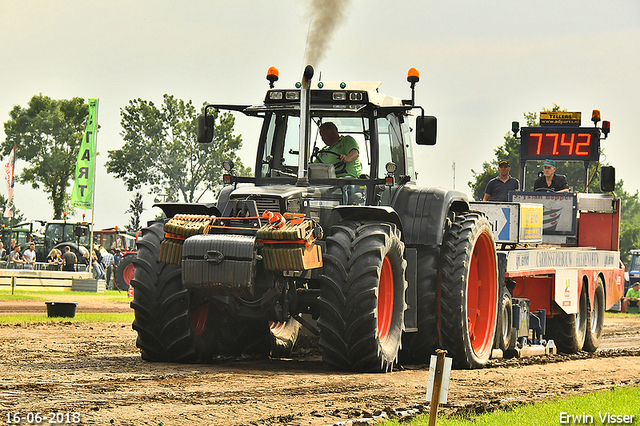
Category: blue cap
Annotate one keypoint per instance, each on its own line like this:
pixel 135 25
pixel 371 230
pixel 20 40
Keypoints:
pixel 550 163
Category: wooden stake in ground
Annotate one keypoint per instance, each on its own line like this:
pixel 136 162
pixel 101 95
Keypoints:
pixel 437 384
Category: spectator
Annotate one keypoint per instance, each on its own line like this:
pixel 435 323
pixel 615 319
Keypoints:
pixel 29 256
pixel 14 258
pixel 3 252
pixel 84 260
pixel 632 297
pixel 107 262
pixel 53 260
pixel 69 260
pixel 98 270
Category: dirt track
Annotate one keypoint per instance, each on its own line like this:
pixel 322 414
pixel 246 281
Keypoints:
pixel 96 370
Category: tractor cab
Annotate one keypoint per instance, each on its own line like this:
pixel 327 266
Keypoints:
pixel 290 150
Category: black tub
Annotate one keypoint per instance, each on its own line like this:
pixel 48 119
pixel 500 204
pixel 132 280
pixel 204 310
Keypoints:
pixel 61 309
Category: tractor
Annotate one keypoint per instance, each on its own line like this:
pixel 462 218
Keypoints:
pixel 374 265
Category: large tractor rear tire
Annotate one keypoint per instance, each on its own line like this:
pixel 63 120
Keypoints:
pixel 170 325
pixel 418 347
pixel 362 296
pixel 569 331
pixel 125 272
pixel 469 290
pixel 595 321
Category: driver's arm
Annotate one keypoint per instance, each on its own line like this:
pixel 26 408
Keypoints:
pixel 351 156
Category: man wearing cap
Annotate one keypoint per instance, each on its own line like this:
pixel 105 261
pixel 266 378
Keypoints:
pixel 498 188
pixel 550 181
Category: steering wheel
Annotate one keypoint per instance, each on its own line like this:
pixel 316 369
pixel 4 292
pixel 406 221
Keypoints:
pixel 544 190
pixel 325 151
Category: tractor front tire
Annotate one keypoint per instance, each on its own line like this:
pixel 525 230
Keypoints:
pixel 469 290
pixel 125 272
pixel 170 325
pixel 362 296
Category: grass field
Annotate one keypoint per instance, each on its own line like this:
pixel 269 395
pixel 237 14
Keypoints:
pixel 603 407
pixel 109 295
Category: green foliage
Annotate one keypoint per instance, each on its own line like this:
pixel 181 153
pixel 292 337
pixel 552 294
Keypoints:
pixel 161 150
pixel 629 222
pixel 135 208
pixel 46 135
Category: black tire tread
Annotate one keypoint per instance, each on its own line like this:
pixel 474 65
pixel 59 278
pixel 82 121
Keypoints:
pixel 456 254
pixel 348 302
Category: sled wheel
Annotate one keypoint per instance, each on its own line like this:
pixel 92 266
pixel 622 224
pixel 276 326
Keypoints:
pixel 418 347
pixel 504 327
pixel 569 331
pixel 362 296
pixel 595 320
pixel 283 337
pixel 469 290
pixel 125 272
pixel 163 309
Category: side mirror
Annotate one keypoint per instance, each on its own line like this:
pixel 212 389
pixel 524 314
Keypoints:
pixel 205 128
pixel 607 178
pixel 426 129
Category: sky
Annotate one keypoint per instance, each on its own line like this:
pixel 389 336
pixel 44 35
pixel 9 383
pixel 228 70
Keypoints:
pixel 482 65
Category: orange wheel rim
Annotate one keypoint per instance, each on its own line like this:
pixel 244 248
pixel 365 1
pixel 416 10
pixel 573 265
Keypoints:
pixel 128 273
pixel 482 295
pixel 385 299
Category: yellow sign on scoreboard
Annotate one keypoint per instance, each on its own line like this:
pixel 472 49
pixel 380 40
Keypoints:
pixel 530 222
pixel 560 118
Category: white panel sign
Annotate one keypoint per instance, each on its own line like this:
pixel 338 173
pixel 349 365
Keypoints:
pixel 446 375
pixel 566 290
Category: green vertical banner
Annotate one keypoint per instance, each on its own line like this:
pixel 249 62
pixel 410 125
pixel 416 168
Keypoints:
pixel 82 195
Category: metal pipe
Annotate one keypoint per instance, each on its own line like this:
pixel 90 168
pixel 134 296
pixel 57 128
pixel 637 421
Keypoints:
pixel 305 126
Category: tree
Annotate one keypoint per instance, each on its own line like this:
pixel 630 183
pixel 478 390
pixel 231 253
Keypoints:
pixel 46 135
pixel 629 222
pixel 161 150
pixel 135 208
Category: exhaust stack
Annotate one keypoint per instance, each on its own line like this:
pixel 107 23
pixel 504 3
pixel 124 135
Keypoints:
pixel 305 126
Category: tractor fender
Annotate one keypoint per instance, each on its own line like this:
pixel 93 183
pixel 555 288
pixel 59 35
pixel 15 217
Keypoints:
pixel 423 212
pixel 369 213
pixel 172 209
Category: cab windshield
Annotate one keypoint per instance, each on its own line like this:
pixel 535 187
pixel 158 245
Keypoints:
pixel 279 156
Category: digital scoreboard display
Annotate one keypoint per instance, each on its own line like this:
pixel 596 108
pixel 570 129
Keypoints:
pixel 560 143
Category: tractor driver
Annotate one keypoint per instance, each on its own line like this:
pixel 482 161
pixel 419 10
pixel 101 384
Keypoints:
pixel 550 180
pixel 341 151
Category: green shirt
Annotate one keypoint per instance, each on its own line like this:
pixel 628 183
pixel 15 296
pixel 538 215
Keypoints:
pixel 632 293
pixel 344 146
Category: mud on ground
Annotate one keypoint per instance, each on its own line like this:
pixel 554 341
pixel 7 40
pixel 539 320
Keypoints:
pixel 96 370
